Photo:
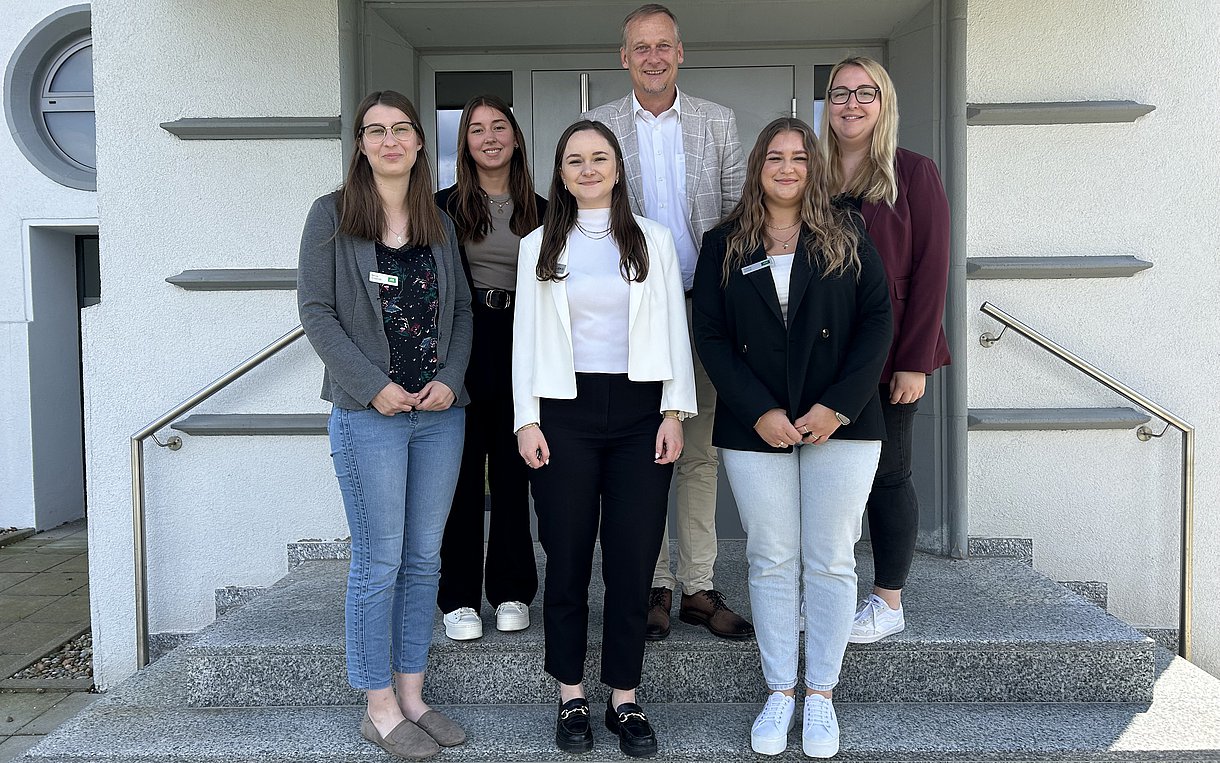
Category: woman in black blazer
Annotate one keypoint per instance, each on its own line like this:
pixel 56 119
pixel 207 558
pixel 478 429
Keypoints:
pixel 792 321
pixel 493 205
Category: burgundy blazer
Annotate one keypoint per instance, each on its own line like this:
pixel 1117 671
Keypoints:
pixel 912 237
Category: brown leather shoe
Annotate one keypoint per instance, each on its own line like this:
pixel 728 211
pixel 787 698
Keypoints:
pixel 707 608
pixel 660 600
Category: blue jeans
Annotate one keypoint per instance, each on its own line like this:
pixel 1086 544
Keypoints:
pixel 801 512
pixel 397 475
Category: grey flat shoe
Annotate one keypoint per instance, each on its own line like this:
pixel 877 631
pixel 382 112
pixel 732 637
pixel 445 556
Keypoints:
pixel 442 728
pixel 407 741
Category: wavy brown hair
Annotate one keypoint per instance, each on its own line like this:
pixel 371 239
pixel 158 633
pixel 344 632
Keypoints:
pixel 561 214
pixel 876 180
pixel 829 237
pixel 360 211
pixel 468 204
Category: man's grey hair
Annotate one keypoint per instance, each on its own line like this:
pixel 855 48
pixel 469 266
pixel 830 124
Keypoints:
pixel 650 9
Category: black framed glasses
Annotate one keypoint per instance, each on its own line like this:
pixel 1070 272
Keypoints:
pixel 864 94
pixel 376 133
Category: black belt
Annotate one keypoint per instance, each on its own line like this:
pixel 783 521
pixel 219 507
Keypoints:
pixel 496 299
pixel 689 293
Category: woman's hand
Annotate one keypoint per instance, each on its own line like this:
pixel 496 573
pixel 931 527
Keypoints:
pixel 818 425
pixel 669 441
pixel 435 396
pixel 775 429
pixel 394 399
pixel 533 448
pixel 907 386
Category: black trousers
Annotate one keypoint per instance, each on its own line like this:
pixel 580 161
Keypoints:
pixel 510 572
pixel 893 509
pixel 601 477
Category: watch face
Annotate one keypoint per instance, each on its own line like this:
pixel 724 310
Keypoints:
pixel 842 419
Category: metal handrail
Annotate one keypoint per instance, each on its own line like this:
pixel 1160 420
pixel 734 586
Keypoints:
pixel 1186 591
pixel 174 443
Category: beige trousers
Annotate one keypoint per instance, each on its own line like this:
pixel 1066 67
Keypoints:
pixel 696 474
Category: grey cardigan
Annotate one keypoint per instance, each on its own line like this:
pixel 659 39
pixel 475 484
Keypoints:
pixel 340 309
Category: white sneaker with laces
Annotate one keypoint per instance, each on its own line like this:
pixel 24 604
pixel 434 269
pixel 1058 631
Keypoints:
pixel 512 616
pixel 820 729
pixel 463 624
pixel 875 620
pixel 770 733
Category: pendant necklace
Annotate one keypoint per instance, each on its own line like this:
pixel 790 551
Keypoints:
pixel 398 236
pixel 786 242
pixel 500 204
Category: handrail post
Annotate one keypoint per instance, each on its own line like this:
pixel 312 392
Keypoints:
pixel 1186 595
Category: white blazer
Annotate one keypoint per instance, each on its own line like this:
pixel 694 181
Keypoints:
pixel 658 345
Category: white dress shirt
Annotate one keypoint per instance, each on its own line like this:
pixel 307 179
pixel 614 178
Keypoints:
pixel 663 173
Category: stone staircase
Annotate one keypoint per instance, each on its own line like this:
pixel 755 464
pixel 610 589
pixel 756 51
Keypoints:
pixel 997 663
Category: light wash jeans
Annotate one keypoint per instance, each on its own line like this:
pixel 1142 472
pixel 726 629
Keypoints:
pixel 397 475
pixel 801 512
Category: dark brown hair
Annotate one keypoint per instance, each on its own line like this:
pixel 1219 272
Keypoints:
pixel 360 211
pixel 828 236
pixel 468 204
pixel 561 214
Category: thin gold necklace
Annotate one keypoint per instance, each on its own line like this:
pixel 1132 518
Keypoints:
pixel 786 242
pixel 499 205
pixel 786 227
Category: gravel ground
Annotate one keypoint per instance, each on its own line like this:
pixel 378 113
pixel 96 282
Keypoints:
pixel 74 660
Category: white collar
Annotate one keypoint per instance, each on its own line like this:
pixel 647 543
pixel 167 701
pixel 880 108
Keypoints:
pixel 640 111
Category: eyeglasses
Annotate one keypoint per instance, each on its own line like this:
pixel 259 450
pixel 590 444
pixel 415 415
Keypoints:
pixel 864 94
pixel 376 133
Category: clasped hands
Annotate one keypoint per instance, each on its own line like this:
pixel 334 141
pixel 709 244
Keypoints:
pixel 814 428
pixel 532 446
pixel 393 398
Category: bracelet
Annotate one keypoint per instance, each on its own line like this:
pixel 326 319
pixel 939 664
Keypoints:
pixel 672 415
pixel 524 427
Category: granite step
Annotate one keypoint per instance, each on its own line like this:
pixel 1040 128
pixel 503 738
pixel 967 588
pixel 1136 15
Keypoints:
pixel 990 630
pixel 146 721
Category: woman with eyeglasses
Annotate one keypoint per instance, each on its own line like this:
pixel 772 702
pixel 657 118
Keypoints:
pixel 493 205
pixel 902 200
pixel 386 307
pixel 602 378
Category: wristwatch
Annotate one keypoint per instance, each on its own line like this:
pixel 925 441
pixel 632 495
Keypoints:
pixel 842 419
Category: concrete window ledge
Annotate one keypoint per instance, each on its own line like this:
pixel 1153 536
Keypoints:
pixel 1025 419
pixel 254 128
pixel 252 424
pixel 1055 113
pixel 235 279
pixel 1013 268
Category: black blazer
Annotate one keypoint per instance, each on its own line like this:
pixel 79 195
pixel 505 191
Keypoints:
pixel 442 200
pixel 832 351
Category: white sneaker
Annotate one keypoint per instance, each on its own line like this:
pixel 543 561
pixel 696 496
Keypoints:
pixel 512 616
pixel 463 624
pixel 875 620
pixel 820 731
pixel 770 733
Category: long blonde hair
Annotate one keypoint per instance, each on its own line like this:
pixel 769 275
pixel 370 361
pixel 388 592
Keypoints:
pixel 876 180
pixel 828 235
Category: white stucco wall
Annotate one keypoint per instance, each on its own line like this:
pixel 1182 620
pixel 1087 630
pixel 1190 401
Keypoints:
pixel 27 195
pixel 1101 505
pixel 220 511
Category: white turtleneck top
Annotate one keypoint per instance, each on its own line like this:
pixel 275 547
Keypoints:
pixel 598 296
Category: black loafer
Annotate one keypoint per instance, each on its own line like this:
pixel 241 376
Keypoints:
pixel 572 730
pixel 635 735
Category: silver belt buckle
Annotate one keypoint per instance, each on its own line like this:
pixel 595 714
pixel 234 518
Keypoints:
pixel 497 299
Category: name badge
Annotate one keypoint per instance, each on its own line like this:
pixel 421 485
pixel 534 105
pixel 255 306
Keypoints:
pixel 388 280
pixel 748 269
pixel 561 269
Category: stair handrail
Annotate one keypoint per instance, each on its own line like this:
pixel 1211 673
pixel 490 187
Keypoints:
pixel 139 539
pixel 1144 433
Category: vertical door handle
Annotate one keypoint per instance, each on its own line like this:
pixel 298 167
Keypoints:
pixel 584 92
pixel 794 108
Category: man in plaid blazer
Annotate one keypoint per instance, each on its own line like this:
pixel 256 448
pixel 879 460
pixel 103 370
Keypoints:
pixel 685 169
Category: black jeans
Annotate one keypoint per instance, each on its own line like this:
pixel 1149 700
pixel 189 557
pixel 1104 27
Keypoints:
pixel 601 477
pixel 510 572
pixel 893 509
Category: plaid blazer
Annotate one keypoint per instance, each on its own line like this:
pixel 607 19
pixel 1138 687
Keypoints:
pixel 715 162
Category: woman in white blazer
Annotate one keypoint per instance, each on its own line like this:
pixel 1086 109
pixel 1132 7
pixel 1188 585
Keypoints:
pixel 602 379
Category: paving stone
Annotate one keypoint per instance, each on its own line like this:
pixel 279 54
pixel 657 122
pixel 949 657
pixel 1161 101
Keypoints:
pixel 13 747
pixel 78 563
pixel 23 560
pixel 62 609
pixel 10 579
pixel 49 583
pixel 82 591
pixel 61 711
pixel 14 608
pixel 24 707
pixel 27 637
